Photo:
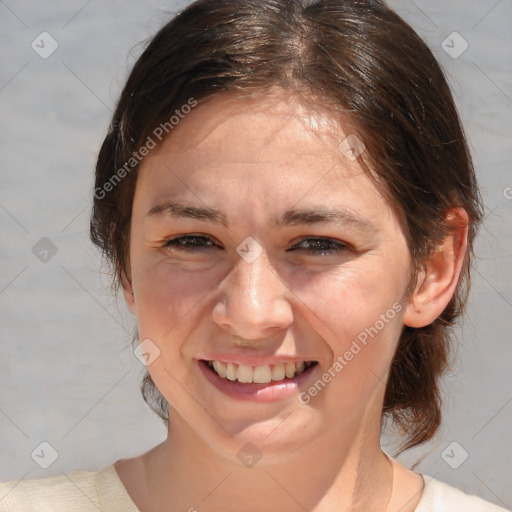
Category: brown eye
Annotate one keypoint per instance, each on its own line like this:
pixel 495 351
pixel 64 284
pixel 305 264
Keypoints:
pixel 190 243
pixel 317 246
pixel 320 246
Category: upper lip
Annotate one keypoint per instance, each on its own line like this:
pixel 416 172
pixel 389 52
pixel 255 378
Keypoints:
pixel 253 360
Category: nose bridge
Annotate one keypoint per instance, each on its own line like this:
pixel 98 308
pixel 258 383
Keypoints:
pixel 253 299
pixel 255 282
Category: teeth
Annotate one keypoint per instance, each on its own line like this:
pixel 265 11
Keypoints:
pixel 278 372
pixel 258 374
pixel 262 374
pixel 231 371
pixel 219 368
pixel 244 373
pixel 289 370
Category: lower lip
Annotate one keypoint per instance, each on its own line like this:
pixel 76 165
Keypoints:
pixel 270 392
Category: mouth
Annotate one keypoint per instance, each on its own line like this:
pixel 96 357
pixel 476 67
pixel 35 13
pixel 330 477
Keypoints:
pixel 264 383
pixel 259 374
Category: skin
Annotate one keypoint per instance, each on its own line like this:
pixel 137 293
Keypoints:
pixel 253 159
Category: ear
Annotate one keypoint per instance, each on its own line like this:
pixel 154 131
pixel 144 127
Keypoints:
pixel 438 279
pixel 128 293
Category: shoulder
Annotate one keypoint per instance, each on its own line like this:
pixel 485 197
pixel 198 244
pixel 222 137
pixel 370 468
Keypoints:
pixel 80 491
pixel 76 491
pixel 440 497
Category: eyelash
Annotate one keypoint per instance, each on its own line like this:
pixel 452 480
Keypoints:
pixel 335 246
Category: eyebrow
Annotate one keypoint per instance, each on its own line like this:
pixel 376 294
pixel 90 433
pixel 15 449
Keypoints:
pixel 186 211
pixel 292 217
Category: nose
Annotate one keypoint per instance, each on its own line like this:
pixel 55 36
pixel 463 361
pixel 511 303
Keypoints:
pixel 252 301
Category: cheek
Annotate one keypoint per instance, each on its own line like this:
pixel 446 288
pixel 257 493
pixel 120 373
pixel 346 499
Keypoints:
pixel 358 312
pixel 167 294
pixel 349 299
pixel 169 300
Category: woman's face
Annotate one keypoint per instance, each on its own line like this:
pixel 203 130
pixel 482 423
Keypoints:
pixel 257 240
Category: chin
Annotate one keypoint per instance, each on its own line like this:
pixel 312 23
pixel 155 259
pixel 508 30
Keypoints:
pixel 272 441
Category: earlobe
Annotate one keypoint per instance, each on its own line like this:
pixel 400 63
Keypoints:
pixel 129 296
pixel 438 280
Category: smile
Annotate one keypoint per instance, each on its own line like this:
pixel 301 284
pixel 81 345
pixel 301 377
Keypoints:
pixel 259 374
pixel 261 383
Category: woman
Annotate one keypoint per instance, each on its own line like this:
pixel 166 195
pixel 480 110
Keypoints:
pixel 287 200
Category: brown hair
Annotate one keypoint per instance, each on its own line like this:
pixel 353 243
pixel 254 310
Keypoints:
pixel 359 59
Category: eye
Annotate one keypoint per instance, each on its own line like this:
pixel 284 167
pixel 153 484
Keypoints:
pixel 321 245
pixel 190 243
pixel 193 243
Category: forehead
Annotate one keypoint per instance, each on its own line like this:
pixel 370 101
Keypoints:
pixel 258 136
pixel 266 152
pixel 237 129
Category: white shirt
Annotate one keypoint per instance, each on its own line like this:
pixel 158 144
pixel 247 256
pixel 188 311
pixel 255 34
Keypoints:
pixel 83 491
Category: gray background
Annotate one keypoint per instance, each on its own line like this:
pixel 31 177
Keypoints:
pixel 67 372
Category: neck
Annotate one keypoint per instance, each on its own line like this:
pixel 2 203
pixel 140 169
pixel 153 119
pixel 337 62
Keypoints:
pixel 348 475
